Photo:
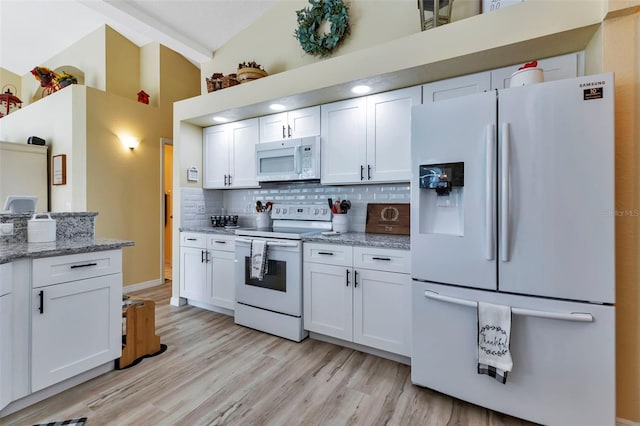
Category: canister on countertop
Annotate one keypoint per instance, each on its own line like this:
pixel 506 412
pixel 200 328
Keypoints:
pixel 41 230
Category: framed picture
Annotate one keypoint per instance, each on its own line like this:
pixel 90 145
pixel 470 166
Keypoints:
pixel 59 169
pixel 492 5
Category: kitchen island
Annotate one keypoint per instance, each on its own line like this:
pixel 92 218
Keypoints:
pixel 60 308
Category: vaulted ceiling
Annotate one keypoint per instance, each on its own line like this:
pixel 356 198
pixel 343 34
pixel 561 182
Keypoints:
pixel 31 32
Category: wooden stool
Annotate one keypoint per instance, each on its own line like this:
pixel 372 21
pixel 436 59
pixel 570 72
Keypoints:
pixel 139 339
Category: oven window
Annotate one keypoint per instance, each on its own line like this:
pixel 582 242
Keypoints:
pixel 274 279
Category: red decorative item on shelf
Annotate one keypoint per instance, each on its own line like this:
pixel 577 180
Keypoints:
pixel 143 97
pixel 532 64
pixel 9 102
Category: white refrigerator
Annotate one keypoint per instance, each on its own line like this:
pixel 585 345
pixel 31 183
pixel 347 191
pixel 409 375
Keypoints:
pixel 512 203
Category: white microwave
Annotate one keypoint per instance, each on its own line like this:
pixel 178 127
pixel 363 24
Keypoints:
pixel 290 159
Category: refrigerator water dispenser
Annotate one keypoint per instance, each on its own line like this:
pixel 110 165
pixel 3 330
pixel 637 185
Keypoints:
pixel 442 198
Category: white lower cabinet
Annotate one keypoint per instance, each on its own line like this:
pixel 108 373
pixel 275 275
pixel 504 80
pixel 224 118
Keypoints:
pixel 74 328
pixel 6 327
pixel 75 325
pixel 207 269
pixel 358 294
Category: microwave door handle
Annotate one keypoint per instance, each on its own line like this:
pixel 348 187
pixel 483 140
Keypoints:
pixel 297 159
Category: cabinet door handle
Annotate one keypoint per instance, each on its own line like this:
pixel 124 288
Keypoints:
pixel 41 307
pixel 381 258
pixel 326 253
pixel 361 172
pixel 355 278
pixel 229 180
pixel 368 172
pixel 201 256
pixel 84 265
pixel 347 278
pixel 220 242
pixel 206 258
pixel 289 131
pixel 283 132
pixel 192 239
pixel 225 180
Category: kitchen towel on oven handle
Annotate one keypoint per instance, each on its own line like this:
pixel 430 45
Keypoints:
pixel 494 339
pixel 258 259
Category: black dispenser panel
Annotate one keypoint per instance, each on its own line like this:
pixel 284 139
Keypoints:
pixel 442 177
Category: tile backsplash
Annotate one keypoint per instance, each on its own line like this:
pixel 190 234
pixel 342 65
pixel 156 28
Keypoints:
pixel 197 205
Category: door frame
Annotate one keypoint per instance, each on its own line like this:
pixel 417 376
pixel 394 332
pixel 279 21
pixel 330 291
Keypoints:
pixel 163 142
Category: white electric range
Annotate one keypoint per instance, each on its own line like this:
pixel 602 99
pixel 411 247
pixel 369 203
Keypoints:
pixel 274 304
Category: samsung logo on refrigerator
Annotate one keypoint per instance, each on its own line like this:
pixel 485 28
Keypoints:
pixel 592 84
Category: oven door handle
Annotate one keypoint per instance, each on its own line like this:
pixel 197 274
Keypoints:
pixel 271 243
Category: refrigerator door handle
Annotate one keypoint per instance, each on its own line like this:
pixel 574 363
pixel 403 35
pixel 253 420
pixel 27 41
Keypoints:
pixel 571 316
pixel 504 190
pixel 490 193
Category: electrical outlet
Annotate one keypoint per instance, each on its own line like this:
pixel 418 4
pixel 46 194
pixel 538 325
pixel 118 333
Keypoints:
pixel 200 207
pixel 6 229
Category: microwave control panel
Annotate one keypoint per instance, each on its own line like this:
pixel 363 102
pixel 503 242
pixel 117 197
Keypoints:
pixel 307 160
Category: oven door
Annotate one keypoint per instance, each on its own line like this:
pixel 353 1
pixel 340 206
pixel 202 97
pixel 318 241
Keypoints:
pixel 281 288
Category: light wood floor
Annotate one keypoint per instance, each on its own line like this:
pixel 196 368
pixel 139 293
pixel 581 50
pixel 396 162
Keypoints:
pixel 217 373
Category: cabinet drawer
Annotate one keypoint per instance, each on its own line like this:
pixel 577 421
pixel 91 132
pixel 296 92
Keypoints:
pixel 59 269
pixel 221 242
pixel 6 278
pixel 330 254
pixel 382 259
pixel 193 239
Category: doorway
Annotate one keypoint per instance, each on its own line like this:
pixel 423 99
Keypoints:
pixel 167 179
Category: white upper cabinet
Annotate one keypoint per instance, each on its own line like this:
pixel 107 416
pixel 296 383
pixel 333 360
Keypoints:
pixel 456 87
pixel 229 155
pixel 556 68
pixel 299 123
pixel 367 139
pixel 344 141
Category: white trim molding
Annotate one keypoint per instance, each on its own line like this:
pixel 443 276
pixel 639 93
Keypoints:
pixel 142 285
pixel 625 422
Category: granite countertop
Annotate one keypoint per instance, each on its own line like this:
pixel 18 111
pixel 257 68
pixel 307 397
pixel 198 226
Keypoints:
pixel 347 238
pixel 210 230
pixel 363 239
pixel 11 251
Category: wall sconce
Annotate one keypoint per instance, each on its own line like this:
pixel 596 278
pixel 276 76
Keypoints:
pixel 130 142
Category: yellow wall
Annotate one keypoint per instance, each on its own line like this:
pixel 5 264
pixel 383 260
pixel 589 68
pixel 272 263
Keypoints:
pixel 124 185
pixel 178 80
pixel 168 190
pixel 270 42
pixel 122 65
pixel 621 44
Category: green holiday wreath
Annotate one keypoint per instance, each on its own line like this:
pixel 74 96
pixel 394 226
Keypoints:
pixel 310 20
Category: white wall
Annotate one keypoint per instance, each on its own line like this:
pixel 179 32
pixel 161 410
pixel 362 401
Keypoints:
pixel 59 119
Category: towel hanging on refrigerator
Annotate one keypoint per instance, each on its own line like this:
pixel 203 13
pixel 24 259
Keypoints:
pixel 494 338
pixel 258 259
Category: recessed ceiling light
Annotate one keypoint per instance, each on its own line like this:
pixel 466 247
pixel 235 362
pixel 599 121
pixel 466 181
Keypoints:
pixel 277 107
pixel 359 90
pixel 219 119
